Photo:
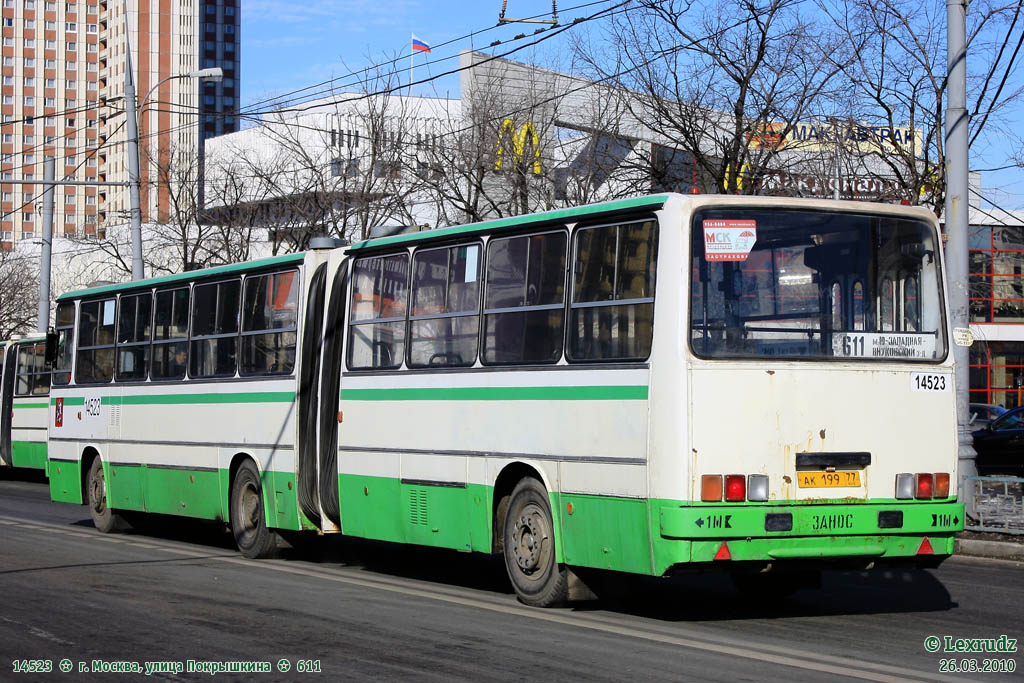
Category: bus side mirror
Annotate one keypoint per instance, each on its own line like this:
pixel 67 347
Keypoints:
pixel 51 349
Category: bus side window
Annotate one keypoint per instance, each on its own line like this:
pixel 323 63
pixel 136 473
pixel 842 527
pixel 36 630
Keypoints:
pixel 444 320
pixel 65 328
pixel 525 299
pixel 859 319
pixel 270 309
pixel 380 292
pixel 170 334
pixel 612 310
pixel 40 372
pixel 95 360
pixel 911 303
pixel 134 324
pixel 23 383
pixel 214 336
pixel 886 306
pixel 837 306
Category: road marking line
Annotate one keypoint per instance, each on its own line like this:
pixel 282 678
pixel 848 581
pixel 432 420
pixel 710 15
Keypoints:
pixel 726 646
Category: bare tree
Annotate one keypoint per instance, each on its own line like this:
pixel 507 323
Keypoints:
pixel 334 170
pixel 897 81
pixel 713 82
pixel 19 283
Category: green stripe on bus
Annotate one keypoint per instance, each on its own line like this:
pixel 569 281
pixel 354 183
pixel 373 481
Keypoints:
pixel 185 277
pixel 653 203
pixel 69 401
pixel 185 399
pixel 29 405
pixel 583 393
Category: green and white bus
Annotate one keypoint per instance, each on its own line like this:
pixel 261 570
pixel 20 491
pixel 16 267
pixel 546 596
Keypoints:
pixel 24 397
pixel 650 385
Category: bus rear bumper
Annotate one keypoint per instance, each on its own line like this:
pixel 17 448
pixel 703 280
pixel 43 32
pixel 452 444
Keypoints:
pixel 860 532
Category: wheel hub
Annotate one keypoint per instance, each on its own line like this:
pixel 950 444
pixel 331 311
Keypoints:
pixel 97 491
pixel 529 535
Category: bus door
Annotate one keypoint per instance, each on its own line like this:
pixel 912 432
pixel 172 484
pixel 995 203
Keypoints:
pixel 308 379
pixel 7 402
pixel 330 390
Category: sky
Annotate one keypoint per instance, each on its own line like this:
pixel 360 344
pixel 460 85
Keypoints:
pixel 293 44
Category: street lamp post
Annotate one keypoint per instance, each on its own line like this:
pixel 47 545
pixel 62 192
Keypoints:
pixel 212 75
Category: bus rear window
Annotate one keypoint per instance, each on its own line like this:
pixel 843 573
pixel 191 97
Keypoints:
pixel 806 284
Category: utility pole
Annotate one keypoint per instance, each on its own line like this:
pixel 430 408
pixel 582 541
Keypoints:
pixel 957 219
pixel 43 321
pixel 134 176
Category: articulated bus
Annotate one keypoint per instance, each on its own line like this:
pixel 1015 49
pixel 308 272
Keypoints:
pixel 652 385
pixel 24 397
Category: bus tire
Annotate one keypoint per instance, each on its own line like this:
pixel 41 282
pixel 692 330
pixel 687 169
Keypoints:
pixel 529 548
pixel 254 538
pixel 103 517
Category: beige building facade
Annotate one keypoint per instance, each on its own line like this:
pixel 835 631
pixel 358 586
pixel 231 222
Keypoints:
pixel 63 73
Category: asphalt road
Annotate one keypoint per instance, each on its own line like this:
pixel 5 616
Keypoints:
pixel 361 610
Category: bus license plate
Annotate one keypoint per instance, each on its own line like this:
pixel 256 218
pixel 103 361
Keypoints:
pixel 824 480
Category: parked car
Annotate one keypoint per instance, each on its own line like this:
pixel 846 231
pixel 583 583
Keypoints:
pixel 982 414
pixel 1000 445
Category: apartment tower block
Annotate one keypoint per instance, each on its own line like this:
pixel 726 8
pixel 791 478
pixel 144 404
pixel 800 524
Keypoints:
pixel 63 71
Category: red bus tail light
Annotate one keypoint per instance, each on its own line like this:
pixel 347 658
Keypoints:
pixel 925 486
pixel 735 488
pixel 942 485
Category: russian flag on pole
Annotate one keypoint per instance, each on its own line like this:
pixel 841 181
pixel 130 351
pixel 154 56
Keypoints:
pixel 419 45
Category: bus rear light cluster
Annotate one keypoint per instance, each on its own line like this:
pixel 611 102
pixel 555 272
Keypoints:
pixel 923 485
pixel 733 488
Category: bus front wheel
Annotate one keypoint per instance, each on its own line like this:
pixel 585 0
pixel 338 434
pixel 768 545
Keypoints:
pixel 103 518
pixel 248 522
pixel 529 540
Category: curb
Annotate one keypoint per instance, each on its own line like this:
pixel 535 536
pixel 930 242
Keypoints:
pixel 1006 551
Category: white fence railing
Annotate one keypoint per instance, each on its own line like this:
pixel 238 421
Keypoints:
pixel 998 504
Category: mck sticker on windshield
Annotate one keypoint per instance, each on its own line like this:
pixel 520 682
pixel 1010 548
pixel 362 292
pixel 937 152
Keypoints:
pixel 728 240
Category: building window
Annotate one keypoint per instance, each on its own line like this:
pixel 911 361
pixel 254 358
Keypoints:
pixel 30 42
pixel 91 47
pixel 70 27
pixel 997 373
pixel 996 281
pixel 71 46
pixel 91 28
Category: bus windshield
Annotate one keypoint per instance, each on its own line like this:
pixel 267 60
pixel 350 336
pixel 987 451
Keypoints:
pixel 811 284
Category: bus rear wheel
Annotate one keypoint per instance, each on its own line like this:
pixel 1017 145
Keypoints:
pixel 529 540
pixel 248 522
pixel 103 517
